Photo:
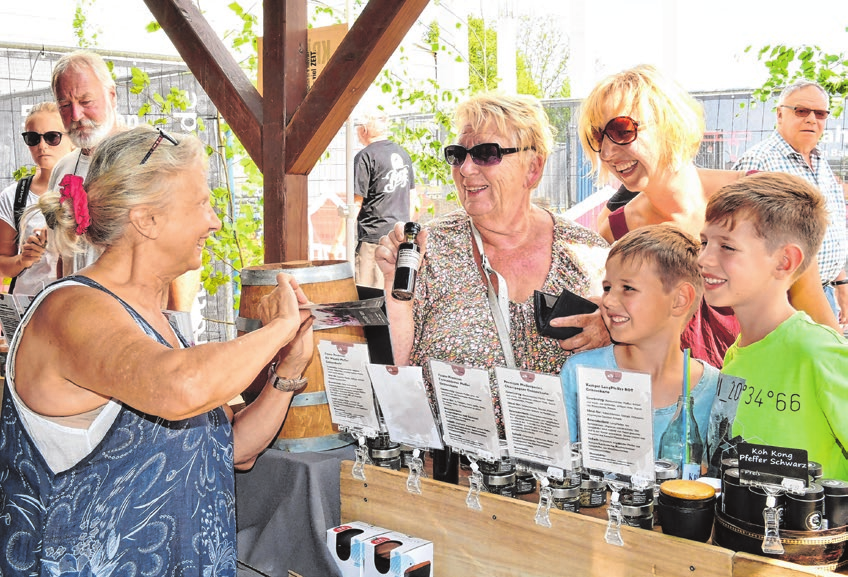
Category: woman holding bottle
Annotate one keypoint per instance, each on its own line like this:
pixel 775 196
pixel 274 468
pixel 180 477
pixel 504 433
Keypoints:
pixel 473 300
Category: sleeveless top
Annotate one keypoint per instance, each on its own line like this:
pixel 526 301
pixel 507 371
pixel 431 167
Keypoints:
pixel 155 497
pixel 711 331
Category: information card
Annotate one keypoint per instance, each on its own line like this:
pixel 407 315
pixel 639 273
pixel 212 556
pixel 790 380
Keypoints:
pixel 404 404
pixel 348 387
pixel 465 408
pixel 616 421
pixel 534 417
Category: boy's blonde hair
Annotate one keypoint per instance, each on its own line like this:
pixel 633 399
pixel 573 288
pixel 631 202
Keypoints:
pixel 783 208
pixel 675 118
pixel 672 252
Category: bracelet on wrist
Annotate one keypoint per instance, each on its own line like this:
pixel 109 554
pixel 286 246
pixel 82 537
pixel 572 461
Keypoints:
pixel 285 385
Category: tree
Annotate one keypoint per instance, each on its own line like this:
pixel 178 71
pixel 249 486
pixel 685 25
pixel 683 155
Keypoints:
pixel 786 64
pixel 482 55
pixel 543 57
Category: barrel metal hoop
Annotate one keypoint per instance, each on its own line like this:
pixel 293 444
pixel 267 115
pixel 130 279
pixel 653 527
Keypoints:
pixel 312 444
pixel 246 325
pixel 309 399
pixel 305 275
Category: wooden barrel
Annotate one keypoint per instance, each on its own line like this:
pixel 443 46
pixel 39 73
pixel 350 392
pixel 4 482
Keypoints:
pixel 308 425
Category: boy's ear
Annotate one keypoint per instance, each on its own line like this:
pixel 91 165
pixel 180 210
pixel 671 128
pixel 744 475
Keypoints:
pixel 685 298
pixel 143 219
pixel 790 257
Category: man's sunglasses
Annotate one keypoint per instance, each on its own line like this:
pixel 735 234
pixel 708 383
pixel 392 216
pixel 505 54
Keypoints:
pixel 488 154
pixel 52 137
pixel 802 112
pixel 620 130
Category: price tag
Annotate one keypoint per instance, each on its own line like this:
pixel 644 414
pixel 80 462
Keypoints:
pixel 767 465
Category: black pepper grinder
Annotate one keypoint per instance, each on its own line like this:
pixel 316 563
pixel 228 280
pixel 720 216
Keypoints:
pixel 406 267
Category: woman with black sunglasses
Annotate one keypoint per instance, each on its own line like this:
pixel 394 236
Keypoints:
pixel 25 256
pixel 474 299
pixel 645 130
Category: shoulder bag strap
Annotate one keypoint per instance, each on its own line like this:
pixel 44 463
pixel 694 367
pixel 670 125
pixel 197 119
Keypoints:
pixel 498 300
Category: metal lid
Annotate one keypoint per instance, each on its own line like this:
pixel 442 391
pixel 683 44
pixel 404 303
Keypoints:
pixel 834 486
pixel 388 453
pixel 665 469
pixel 592 484
pixel 815 469
pixel 565 492
pixel 499 479
pixel 638 510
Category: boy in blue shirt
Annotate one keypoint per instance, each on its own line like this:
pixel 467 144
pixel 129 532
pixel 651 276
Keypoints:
pixel 761 233
pixel 651 289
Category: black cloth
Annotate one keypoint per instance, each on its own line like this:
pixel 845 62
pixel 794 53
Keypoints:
pixel 620 198
pixel 383 176
pixel 284 506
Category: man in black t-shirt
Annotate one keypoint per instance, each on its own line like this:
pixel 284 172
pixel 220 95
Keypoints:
pixel 384 184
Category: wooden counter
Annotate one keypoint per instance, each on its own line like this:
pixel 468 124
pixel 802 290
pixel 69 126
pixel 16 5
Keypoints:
pixel 503 538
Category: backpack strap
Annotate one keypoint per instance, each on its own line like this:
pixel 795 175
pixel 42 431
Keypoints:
pixel 21 194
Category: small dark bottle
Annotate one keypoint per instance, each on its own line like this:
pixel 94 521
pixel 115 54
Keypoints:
pixel 406 268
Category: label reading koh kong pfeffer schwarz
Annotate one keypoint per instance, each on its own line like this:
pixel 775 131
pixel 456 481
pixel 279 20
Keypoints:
pixel 764 464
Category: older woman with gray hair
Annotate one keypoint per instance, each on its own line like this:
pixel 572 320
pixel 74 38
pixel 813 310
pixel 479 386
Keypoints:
pixel 473 302
pixel 117 447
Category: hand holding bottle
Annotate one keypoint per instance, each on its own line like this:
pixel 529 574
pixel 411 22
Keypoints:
pixel 387 253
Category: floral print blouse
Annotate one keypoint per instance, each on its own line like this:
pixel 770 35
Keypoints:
pixel 453 321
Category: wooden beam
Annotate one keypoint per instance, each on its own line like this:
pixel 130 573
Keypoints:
pixel 360 57
pixel 286 228
pixel 234 95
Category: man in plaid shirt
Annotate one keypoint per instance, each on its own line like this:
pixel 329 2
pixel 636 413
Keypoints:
pixel 802 113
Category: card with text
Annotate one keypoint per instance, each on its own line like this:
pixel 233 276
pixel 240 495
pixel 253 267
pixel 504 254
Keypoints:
pixel 404 405
pixel 465 409
pixel 348 386
pixel 616 421
pixel 534 417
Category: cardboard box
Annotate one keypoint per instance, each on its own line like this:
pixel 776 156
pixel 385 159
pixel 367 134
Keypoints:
pixel 398 555
pixel 347 545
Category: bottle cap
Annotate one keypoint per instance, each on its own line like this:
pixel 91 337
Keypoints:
pixel 412 228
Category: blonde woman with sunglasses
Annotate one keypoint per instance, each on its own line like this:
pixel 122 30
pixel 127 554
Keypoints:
pixel 474 299
pixel 645 130
pixel 26 256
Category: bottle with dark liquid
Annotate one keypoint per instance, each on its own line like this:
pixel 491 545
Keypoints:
pixel 406 268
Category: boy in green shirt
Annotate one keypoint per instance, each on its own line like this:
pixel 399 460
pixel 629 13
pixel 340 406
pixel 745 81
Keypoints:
pixel 761 233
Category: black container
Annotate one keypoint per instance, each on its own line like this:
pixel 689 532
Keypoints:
pixel 445 465
pixel 388 458
pixel 757 502
pixel 835 502
pixel 505 464
pixel 592 493
pixel 636 497
pixel 805 512
pixel 525 483
pixel 815 470
pixel 729 463
pixel 566 498
pixel 500 483
pixel 406 452
pixel 641 516
pixel 689 518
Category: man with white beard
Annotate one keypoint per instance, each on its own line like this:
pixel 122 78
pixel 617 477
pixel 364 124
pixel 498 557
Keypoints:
pixel 85 92
pixel 88 104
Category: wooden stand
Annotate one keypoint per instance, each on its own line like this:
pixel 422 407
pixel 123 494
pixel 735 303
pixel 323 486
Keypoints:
pixel 503 538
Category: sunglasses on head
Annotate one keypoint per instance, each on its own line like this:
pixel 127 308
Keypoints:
pixel 487 154
pixel 51 137
pixel 803 112
pixel 157 142
pixel 620 130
